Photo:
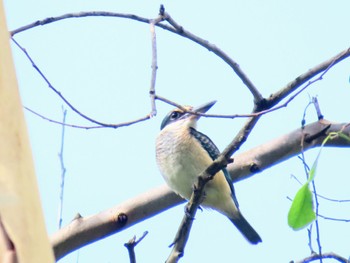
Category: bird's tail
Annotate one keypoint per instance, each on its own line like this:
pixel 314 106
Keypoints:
pixel 246 229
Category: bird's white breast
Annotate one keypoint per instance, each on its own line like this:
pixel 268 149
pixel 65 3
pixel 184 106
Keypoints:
pixel 180 158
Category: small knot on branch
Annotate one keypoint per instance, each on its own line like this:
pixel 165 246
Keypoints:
pixel 161 10
pixel 122 219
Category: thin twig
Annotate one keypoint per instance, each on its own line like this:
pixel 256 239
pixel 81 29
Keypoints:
pixel 319 195
pixel 335 219
pixel 333 199
pixel 63 170
pixel 315 257
pixel 318 233
pixel 307 173
pixel 303 122
pixel 131 244
pixel 118 125
pixel 309 237
pixel 154 66
pixel 50 20
pixel 60 95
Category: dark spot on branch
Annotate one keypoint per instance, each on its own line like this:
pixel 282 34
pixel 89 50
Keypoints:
pixel 122 219
pixel 254 168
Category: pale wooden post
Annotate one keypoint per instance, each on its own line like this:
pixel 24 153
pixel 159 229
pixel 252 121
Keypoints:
pixel 20 209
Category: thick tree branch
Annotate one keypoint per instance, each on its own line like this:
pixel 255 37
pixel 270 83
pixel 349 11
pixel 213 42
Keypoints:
pixel 83 231
pixel 282 148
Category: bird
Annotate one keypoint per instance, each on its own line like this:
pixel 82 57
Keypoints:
pixel 183 153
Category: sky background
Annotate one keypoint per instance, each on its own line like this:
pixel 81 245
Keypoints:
pixel 103 67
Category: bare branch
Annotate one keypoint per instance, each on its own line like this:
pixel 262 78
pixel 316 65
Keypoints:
pixel 315 257
pixel 50 20
pixel 174 28
pixel 63 170
pixel 213 48
pixel 273 152
pixel 303 78
pixel 268 105
pixel 83 231
pixel 154 66
pixel 67 102
pixel 118 125
pixel 334 219
pixel 318 233
pixel 131 244
pixel 263 106
pixel 307 174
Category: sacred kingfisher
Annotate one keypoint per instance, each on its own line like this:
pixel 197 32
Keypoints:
pixel 183 153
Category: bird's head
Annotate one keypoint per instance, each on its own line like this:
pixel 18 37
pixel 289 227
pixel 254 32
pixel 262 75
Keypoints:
pixel 182 117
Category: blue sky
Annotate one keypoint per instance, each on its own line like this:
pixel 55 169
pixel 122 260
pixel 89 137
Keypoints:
pixel 103 66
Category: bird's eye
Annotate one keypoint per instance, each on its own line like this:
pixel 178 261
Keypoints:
pixel 175 115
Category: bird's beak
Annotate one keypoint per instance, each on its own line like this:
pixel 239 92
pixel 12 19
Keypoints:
pixel 203 108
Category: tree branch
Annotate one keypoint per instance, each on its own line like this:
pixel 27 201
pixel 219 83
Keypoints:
pixel 63 170
pixel 197 195
pixel 118 125
pixel 303 78
pixel 152 90
pixel 131 244
pixel 262 105
pixel 174 28
pixel 83 231
pixel 315 257
pixel 282 148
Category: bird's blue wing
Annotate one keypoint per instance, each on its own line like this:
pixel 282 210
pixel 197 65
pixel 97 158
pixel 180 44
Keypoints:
pixel 214 153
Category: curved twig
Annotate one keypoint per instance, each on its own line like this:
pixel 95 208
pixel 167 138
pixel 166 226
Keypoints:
pixel 315 257
pixel 115 126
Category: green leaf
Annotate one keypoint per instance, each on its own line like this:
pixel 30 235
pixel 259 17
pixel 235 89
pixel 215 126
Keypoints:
pixel 301 212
